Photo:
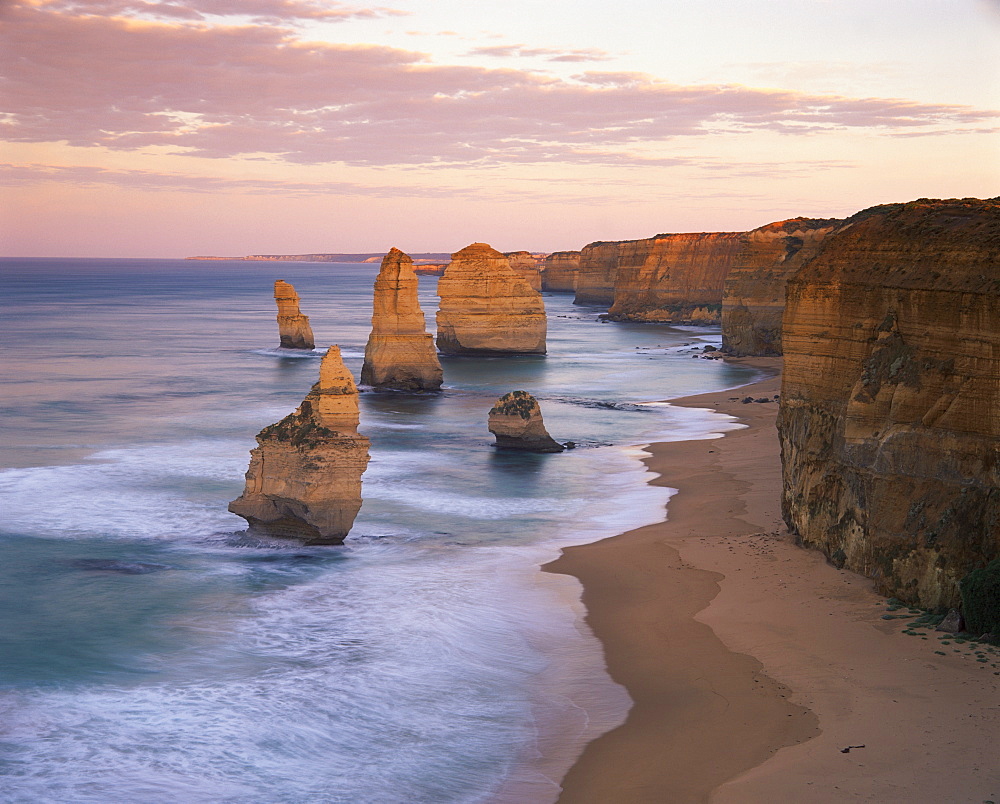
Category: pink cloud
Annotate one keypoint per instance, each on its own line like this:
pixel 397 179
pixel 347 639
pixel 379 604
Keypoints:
pixel 272 11
pixel 552 54
pixel 223 90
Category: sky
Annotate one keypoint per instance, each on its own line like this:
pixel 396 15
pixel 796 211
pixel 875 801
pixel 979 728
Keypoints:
pixel 172 128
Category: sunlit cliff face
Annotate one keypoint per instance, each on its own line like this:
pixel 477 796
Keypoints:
pixel 288 126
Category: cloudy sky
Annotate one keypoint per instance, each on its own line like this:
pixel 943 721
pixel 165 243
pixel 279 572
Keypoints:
pixel 167 128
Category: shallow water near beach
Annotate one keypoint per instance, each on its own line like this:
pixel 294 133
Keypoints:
pixel 152 651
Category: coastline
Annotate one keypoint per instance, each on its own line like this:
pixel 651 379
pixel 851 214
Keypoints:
pixel 752 663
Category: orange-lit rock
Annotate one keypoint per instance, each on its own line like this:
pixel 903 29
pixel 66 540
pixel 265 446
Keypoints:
pixel 304 479
pixel 674 278
pixel 595 278
pixel 890 406
pixel 527 266
pixel 754 295
pixel 486 308
pixel 293 327
pixel 400 353
pixel 561 269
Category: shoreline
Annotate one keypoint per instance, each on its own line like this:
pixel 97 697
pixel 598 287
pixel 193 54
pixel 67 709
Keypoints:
pixel 751 662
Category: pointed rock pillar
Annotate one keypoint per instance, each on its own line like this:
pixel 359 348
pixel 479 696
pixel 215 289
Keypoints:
pixel 293 327
pixel 304 479
pixel 400 354
pixel 516 421
pixel 486 308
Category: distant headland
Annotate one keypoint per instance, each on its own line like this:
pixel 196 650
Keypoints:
pixel 371 257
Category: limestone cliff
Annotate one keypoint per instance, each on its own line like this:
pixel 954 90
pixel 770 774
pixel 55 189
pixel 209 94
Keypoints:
pixel 526 265
pixel 516 421
pixel 753 297
pixel 561 268
pixel 674 278
pixel 400 353
pixel 293 327
pixel 890 407
pixel 486 308
pixel 595 278
pixel 304 479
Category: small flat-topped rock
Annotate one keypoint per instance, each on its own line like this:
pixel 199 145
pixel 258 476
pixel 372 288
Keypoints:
pixel 516 421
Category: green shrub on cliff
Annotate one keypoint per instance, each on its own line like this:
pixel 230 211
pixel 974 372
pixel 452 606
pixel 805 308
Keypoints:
pixel 980 591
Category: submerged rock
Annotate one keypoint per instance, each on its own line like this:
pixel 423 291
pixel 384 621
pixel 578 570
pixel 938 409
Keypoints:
pixel 400 354
pixel 304 479
pixel 516 421
pixel 293 327
pixel 487 308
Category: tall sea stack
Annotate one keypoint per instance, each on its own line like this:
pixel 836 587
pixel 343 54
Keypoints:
pixel 400 353
pixel 486 308
pixel 890 406
pixel 304 479
pixel 293 327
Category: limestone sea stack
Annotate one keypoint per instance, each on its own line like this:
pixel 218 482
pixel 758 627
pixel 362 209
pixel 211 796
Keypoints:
pixel 516 421
pixel 753 297
pixel 304 479
pixel 561 268
pixel 526 265
pixel 890 407
pixel 400 354
pixel 293 327
pixel 486 308
pixel 595 276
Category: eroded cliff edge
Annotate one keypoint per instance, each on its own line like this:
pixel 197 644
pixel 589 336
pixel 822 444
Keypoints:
pixel 753 297
pixel 304 479
pixel 890 407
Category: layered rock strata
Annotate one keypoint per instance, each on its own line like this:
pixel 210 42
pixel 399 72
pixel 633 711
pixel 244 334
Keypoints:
pixel 559 274
pixel 400 354
pixel 516 421
pixel 304 479
pixel 753 297
pixel 486 308
pixel 595 278
pixel 890 406
pixel 525 264
pixel 293 327
pixel 674 278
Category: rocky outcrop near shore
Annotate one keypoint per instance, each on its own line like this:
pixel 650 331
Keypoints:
pixel 294 331
pixel 595 278
pixel 400 354
pixel 516 421
pixel 674 278
pixel 527 266
pixel 559 274
pixel 890 406
pixel 304 480
pixel 753 298
pixel 487 308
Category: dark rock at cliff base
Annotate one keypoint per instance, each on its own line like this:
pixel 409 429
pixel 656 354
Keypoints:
pixel 952 623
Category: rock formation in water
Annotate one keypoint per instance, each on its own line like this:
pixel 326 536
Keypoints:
pixel 516 421
pixel 304 479
pixel 526 265
pixel 486 308
pixel 674 278
pixel 400 353
pixel 890 406
pixel 561 268
pixel 753 298
pixel 293 327
pixel 595 278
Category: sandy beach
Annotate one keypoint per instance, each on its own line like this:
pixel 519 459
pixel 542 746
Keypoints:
pixel 753 664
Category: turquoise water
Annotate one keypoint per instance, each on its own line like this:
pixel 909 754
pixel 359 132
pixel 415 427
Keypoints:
pixel 151 651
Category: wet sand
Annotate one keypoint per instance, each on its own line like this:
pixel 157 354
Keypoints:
pixel 752 663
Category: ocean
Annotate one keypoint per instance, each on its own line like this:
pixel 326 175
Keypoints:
pixel 151 651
